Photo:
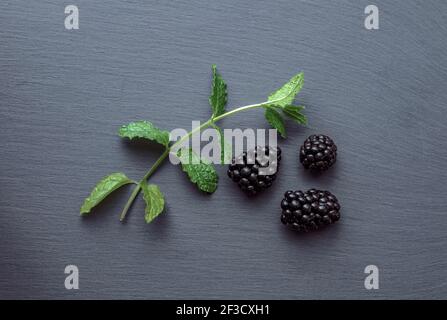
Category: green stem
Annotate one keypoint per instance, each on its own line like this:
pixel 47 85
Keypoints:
pixel 160 160
pixel 156 164
pixel 190 133
pixel 137 189
pixel 132 197
pixel 244 108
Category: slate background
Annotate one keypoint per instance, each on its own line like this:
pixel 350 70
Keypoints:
pixel 63 94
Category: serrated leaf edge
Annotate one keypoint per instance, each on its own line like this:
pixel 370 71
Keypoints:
pixel 214 91
pixel 186 168
pixel 165 134
pixel 148 190
pixel 296 115
pixel 299 84
pixel 86 207
pixel 269 113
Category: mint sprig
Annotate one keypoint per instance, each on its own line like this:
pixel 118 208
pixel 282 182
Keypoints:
pixel 201 173
pixel 282 99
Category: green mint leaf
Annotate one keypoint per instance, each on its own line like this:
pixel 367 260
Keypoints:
pixel 294 112
pixel 276 121
pixel 225 147
pixel 218 98
pixel 286 94
pixel 103 188
pixel 144 130
pixel 199 172
pixel 155 201
pixel 291 108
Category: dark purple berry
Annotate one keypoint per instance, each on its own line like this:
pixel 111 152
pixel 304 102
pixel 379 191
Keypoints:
pixel 245 169
pixel 318 152
pixel 309 210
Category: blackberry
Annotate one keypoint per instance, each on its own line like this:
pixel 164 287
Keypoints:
pixel 310 210
pixel 318 152
pixel 255 170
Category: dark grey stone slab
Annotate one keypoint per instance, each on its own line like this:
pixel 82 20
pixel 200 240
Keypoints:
pixel 380 94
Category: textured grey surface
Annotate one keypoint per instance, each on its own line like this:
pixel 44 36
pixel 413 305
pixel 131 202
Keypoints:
pixel 380 94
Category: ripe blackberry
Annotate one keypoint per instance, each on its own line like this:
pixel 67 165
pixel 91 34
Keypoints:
pixel 318 152
pixel 256 169
pixel 310 210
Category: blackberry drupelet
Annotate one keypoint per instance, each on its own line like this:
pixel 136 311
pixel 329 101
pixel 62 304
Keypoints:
pixel 318 152
pixel 310 210
pixel 256 169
